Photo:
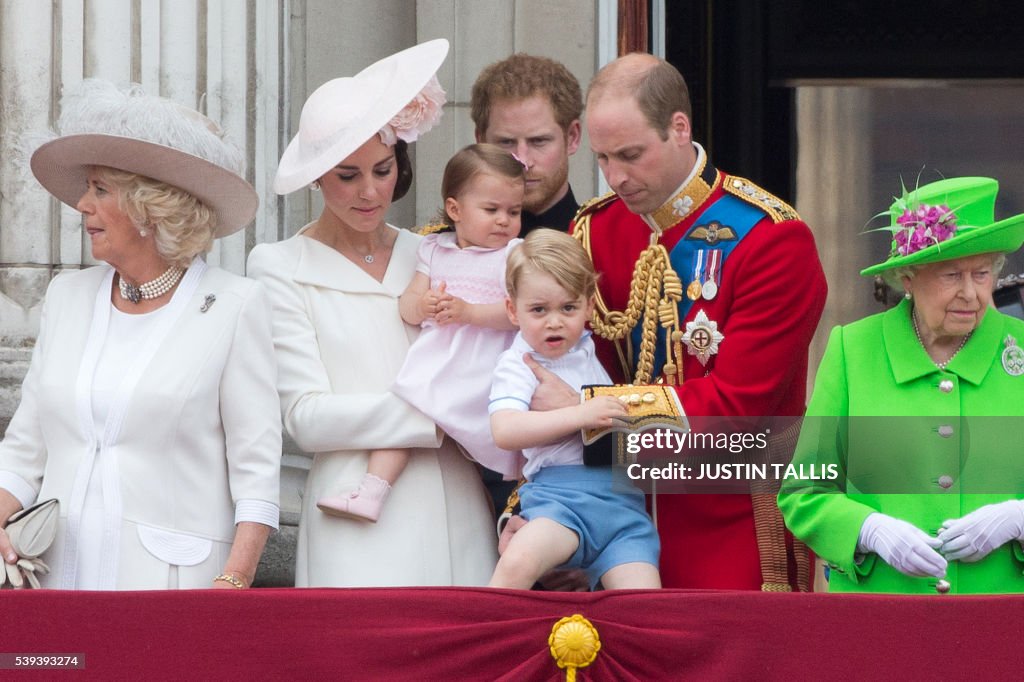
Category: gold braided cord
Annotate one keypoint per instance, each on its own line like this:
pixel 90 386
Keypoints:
pixel 644 299
pixel 654 294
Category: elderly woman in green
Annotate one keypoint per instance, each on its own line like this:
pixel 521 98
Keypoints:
pixel 919 409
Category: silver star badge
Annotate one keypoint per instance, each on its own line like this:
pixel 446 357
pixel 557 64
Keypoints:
pixel 702 337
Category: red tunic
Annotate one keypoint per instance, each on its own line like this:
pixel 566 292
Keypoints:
pixel 771 294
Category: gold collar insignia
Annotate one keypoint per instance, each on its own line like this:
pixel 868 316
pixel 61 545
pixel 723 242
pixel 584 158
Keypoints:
pixel 687 199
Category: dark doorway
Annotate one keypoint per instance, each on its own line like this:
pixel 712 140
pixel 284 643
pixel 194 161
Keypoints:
pixel 742 57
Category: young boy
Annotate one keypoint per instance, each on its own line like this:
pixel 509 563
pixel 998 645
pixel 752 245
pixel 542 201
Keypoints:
pixel 575 516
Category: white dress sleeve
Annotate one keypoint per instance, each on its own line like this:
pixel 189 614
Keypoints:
pixel 318 419
pixel 250 413
pixel 22 451
pixel 425 253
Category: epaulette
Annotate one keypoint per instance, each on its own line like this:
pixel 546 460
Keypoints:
pixel 431 228
pixel 591 205
pixel 581 221
pixel 777 209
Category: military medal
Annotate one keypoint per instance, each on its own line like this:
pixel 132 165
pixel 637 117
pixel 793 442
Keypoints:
pixel 702 337
pixel 710 288
pixel 693 292
pixel 1013 357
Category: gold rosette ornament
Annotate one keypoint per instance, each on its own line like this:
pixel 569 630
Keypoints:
pixel 574 644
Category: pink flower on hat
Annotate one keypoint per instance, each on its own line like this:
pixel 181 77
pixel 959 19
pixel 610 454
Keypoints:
pixel 418 116
pixel 922 226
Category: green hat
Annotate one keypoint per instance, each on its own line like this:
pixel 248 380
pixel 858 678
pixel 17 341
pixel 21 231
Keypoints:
pixel 922 223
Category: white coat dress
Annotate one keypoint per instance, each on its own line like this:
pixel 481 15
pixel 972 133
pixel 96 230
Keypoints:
pixel 340 342
pixel 193 432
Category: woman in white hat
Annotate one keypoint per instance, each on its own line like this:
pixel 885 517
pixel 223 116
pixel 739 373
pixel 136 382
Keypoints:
pixel 141 412
pixel 340 339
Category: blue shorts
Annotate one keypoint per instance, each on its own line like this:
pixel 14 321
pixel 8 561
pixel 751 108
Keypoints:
pixel 612 525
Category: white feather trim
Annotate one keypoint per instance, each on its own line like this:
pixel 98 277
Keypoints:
pixel 99 106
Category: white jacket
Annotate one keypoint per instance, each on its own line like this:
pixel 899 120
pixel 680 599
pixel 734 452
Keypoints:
pixel 340 343
pixel 193 433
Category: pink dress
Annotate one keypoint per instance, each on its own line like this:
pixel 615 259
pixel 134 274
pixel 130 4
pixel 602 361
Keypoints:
pixel 447 372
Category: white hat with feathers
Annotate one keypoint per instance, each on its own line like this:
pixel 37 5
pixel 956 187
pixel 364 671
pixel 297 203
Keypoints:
pixel 102 124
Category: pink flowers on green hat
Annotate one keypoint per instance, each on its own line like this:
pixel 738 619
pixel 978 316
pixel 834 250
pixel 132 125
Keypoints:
pixel 922 226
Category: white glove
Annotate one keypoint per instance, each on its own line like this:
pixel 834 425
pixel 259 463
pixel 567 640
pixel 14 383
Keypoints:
pixel 902 545
pixel 971 537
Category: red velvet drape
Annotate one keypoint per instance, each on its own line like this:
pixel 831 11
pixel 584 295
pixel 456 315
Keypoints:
pixel 470 634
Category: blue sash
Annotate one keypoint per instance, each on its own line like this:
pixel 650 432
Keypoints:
pixel 727 211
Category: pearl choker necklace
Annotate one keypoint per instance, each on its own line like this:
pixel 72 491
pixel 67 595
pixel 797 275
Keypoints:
pixel 152 289
pixel 940 365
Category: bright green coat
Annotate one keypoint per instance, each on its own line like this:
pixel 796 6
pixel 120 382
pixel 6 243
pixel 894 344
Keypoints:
pixel 875 414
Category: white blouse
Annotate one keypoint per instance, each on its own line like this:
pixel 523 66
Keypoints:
pixel 124 332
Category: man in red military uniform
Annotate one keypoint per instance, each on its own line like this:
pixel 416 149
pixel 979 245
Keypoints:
pixel 748 297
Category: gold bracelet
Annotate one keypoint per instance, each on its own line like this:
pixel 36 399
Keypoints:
pixel 231 579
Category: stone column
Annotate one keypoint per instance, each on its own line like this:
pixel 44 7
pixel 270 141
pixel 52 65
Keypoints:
pixel 29 236
pixel 833 197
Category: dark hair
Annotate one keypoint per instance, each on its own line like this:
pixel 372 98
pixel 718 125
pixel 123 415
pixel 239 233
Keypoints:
pixel 404 164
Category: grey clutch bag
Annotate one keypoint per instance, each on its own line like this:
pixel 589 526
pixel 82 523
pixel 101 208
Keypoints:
pixel 31 532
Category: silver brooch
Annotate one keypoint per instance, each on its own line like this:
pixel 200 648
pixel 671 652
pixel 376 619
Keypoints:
pixel 702 337
pixel 1013 357
pixel 210 298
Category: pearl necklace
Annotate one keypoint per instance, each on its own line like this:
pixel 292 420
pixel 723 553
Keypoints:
pixel 940 365
pixel 152 289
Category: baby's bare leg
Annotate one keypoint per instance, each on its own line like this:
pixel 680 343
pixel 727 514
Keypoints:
pixel 636 575
pixel 387 464
pixel 535 549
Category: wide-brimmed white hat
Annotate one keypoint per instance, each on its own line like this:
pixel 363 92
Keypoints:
pixel 102 124
pixel 343 113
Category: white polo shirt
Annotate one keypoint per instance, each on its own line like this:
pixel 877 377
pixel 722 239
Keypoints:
pixel 514 384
